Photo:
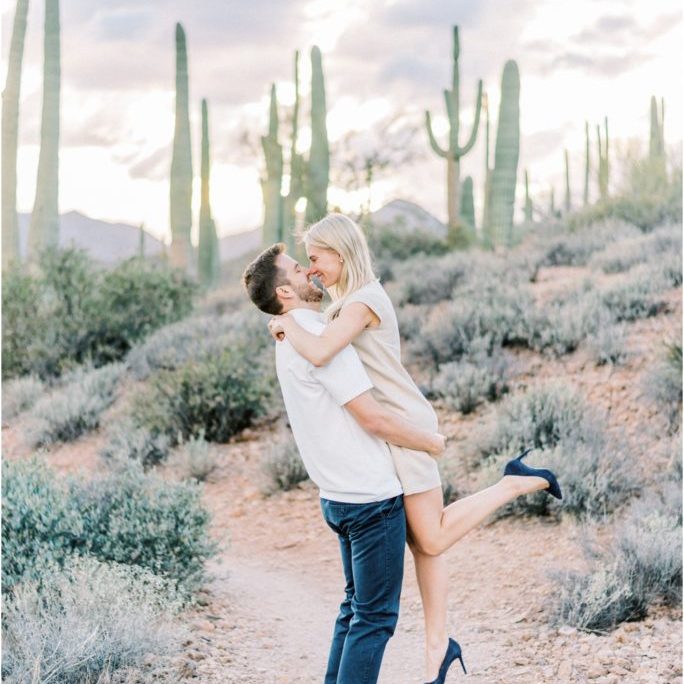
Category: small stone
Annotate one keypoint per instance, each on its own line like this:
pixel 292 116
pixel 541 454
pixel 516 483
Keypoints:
pixel 565 671
pixel 566 630
pixel 595 671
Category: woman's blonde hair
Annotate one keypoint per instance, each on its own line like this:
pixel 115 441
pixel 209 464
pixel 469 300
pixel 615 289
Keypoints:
pixel 342 235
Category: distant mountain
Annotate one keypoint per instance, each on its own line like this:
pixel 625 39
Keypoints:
pixel 110 243
pixel 402 215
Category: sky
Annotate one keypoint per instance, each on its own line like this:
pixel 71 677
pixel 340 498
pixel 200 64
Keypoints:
pixel 384 61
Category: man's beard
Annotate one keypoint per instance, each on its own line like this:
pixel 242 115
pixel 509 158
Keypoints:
pixel 309 293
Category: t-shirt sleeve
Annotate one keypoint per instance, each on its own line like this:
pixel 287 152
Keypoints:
pixel 344 377
pixel 369 295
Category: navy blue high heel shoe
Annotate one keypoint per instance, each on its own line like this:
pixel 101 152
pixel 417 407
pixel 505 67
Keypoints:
pixel 453 651
pixel 517 467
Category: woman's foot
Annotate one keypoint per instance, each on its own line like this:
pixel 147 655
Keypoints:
pixel 434 655
pixel 525 484
pixel 516 468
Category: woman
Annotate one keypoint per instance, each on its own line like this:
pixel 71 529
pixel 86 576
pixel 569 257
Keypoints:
pixel 362 314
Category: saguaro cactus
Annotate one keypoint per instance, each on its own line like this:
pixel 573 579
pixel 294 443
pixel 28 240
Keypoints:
pixel 141 240
pixel 468 207
pixel 552 204
pixel 528 201
pixel 271 183
pixel 506 154
pixel 181 164
pixel 604 164
pixel 297 170
pixel 44 226
pixel 318 167
pixel 454 152
pixel 656 148
pixel 568 198
pixel 208 257
pixel 488 170
pixel 587 163
pixel 10 136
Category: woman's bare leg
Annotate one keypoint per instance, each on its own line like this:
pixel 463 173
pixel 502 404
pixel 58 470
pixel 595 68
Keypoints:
pixel 433 579
pixel 435 529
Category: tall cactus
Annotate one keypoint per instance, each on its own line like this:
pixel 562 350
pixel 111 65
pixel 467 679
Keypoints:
pixel 271 183
pixel 603 161
pixel 10 137
pixel 656 148
pixel 552 204
pixel 568 198
pixel 506 154
pixel 587 163
pixel 468 207
pixel 297 170
pixel 454 152
pixel 44 226
pixel 208 257
pixel 528 202
pixel 141 240
pixel 318 167
pixel 488 170
pixel 181 164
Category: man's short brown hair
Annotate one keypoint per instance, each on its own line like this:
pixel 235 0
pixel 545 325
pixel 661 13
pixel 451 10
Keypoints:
pixel 262 277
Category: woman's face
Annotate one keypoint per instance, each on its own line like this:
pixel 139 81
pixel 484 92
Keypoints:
pixel 325 264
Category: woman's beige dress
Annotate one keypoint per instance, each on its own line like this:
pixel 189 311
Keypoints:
pixel 379 350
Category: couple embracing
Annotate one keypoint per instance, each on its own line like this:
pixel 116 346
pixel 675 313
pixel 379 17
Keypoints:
pixel 369 440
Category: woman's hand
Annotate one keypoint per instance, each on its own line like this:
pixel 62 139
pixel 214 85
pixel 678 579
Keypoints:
pixel 439 444
pixel 276 328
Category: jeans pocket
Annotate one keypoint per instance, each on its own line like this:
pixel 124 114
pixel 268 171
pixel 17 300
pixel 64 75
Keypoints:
pixel 393 507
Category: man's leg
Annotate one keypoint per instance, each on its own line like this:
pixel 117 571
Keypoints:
pixel 377 536
pixel 345 614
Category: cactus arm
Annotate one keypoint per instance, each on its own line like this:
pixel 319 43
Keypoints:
pixel 476 124
pixel 433 141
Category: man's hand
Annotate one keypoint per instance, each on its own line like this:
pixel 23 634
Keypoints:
pixel 276 328
pixel 439 444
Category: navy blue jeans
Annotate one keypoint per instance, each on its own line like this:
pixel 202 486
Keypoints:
pixel 372 540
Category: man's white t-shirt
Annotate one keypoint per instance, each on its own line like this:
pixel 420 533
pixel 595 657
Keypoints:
pixel 346 463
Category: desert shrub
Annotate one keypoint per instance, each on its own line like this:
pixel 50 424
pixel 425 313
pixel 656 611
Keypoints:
pixel 87 619
pixel 642 565
pixel 491 312
pixel 126 440
pixel 195 460
pixel 172 346
pixel 635 298
pixel 20 394
pixel 541 417
pixel 559 326
pixel 666 270
pixel 387 244
pixel 283 466
pixel 425 280
pixel 73 313
pixel 125 516
pixel 217 395
pixel 69 412
pixel 607 343
pixel 464 385
pixel 663 384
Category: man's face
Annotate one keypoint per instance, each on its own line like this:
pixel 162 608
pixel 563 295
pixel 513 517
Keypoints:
pixel 303 288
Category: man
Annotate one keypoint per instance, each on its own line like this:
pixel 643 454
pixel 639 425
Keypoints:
pixel 342 433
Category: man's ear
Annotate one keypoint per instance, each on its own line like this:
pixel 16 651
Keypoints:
pixel 285 292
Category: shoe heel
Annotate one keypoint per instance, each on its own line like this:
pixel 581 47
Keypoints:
pixel 462 665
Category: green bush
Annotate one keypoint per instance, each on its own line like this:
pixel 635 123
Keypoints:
pixel 86 621
pixel 397 245
pixel 195 459
pixel 72 313
pixel 218 395
pixel 607 343
pixel 125 516
pixel 40 525
pixel 139 519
